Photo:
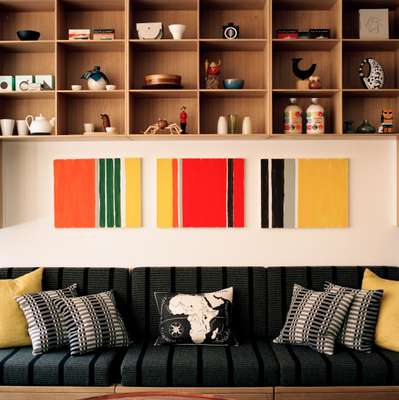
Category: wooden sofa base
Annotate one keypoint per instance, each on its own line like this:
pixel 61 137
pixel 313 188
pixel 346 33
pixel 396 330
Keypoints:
pixel 234 393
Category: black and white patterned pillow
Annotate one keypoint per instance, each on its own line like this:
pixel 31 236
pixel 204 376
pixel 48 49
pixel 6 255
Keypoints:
pixel 199 319
pixel 315 318
pixel 358 329
pixel 45 325
pixel 93 322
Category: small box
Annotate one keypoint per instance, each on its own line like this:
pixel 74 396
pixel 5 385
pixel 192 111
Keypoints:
pixel 7 83
pixel 104 34
pixel 374 23
pixel 22 82
pixel 46 82
pixel 78 34
pixel 287 34
pixel 320 33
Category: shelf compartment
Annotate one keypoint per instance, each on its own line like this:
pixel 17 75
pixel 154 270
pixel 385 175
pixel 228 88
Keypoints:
pixel 358 107
pixel 94 94
pixel 353 56
pixel 30 14
pixel 305 44
pixel 147 107
pixel 88 14
pixel 250 16
pixel 75 58
pixel 156 57
pixel 74 111
pixel 213 105
pixel 330 101
pixel 350 16
pixel 167 12
pixel 307 14
pixel 249 64
pixel 284 78
pixel 371 45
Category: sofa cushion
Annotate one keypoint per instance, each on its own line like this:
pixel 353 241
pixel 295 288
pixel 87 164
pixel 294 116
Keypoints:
pixel 18 367
pixel 250 364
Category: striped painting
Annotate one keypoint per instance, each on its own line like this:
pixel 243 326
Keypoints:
pixel 305 193
pixel 103 193
pixel 200 193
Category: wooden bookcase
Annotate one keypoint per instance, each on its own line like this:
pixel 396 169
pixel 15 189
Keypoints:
pixel 258 57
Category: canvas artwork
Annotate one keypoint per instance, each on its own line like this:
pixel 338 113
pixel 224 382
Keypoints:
pixel 305 193
pixel 200 193
pixel 104 193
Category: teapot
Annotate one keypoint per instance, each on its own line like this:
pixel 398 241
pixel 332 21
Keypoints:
pixel 39 125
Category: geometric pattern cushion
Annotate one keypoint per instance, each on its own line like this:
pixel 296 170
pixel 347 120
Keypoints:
pixel 93 322
pixel 315 318
pixel 45 325
pixel 358 329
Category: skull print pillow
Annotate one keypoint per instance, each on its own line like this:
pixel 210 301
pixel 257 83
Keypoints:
pixel 196 319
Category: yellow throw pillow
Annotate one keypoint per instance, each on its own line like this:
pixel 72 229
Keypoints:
pixel 13 325
pixel 387 331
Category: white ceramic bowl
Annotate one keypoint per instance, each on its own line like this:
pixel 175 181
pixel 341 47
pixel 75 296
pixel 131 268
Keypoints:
pixel 177 31
pixel 76 87
pixel 110 129
pixel 110 87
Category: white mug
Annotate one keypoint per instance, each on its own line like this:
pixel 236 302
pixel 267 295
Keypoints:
pixel 88 127
pixel 7 126
pixel 177 31
pixel 246 126
pixel 22 128
pixel 222 125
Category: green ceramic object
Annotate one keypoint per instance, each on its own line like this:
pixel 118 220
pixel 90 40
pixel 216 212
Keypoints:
pixel 366 127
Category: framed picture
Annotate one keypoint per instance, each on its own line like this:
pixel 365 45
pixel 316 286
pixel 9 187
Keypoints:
pixel 374 23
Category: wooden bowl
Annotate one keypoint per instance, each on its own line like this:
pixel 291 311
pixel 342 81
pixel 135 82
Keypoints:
pixel 162 80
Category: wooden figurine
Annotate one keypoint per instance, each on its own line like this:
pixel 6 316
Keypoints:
pixel 212 74
pixel 314 82
pixel 106 121
pixel 303 75
pixel 161 125
pixel 183 119
pixel 386 121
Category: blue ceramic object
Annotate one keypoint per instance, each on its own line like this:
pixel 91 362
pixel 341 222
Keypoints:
pixel 233 83
pixel 28 35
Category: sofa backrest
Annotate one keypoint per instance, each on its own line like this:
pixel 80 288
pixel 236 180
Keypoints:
pixel 249 303
pixel 89 280
pixel 280 282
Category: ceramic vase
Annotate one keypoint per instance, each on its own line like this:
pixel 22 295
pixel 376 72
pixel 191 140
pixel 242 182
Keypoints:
pixel 177 31
pixel 247 126
pixel 366 127
pixel 222 125
pixel 232 123
pixel 96 85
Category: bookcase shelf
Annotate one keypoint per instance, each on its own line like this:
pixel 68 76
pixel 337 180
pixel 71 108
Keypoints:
pixel 258 57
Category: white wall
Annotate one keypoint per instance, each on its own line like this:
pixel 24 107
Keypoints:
pixel 29 238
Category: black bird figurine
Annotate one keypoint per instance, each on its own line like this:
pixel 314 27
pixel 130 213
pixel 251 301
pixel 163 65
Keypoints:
pixel 302 74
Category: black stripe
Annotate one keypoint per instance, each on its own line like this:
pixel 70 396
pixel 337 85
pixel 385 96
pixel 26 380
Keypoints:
pixel 278 193
pixel 30 369
pixel 61 365
pixel 111 278
pixel 308 277
pixel 251 301
pixel 92 370
pixel 230 368
pixel 283 291
pixel 2 363
pixel 389 364
pixel 60 277
pixel 85 280
pixel 9 273
pixel 139 365
pixel 359 372
pixel 224 278
pixel 200 372
pixel 173 280
pixel 199 280
pixel 328 369
pixel 261 366
pixel 266 308
pixel 147 301
pixel 169 368
pixel 334 274
pixel 298 374
pixel 264 165
pixel 230 200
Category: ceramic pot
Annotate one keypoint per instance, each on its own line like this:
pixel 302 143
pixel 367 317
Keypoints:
pixel 222 125
pixel 177 31
pixel 7 126
pixel 22 128
pixel 366 127
pixel 247 126
pixel 232 123
pixel 96 85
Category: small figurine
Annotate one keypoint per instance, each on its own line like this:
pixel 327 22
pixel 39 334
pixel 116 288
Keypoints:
pixel 212 74
pixel 348 127
pixel 106 121
pixel 386 121
pixel 163 124
pixel 231 31
pixel 375 78
pixel 302 75
pixel 183 119
pixel 96 80
pixel 314 82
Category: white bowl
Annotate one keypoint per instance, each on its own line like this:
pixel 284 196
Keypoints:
pixel 76 87
pixel 177 31
pixel 110 87
pixel 110 129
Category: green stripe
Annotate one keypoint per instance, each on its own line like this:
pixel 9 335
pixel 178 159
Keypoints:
pixel 110 193
pixel 102 192
pixel 118 192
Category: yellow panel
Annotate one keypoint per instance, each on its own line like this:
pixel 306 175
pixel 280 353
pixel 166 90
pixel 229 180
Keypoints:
pixel 133 192
pixel 323 193
pixel 165 192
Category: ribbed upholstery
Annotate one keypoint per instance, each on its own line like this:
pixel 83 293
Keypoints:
pixel 19 367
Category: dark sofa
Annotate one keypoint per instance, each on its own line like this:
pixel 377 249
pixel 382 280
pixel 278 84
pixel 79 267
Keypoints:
pixel 262 297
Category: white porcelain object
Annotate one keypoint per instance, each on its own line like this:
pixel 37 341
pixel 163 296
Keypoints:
pixel 222 125
pixel 96 85
pixel 22 128
pixel 110 129
pixel 247 126
pixel 76 87
pixel 315 123
pixel 39 125
pixel 177 31
pixel 88 127
pixel 110 87
pixel 7 126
